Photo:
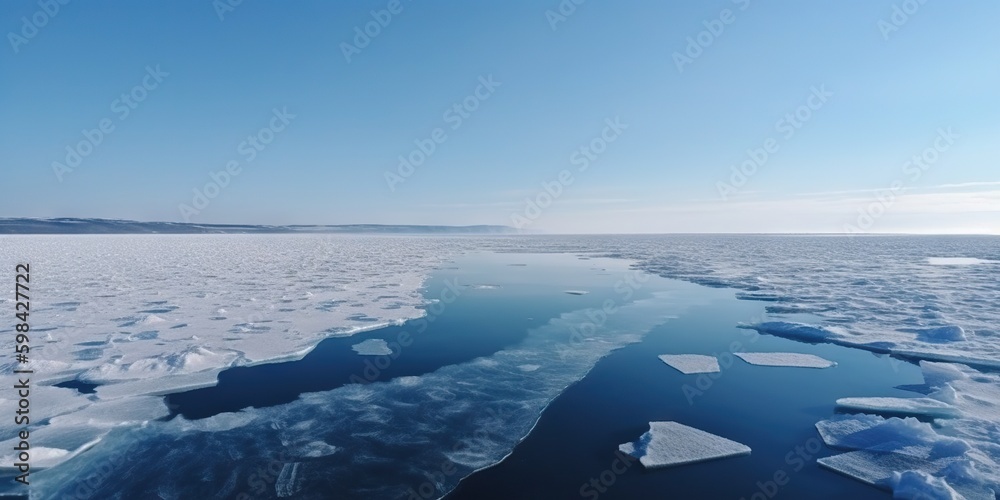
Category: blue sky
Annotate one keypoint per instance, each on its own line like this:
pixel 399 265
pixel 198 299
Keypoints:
pixel 883 88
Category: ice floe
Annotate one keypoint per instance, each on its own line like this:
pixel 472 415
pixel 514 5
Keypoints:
pixel 787 359
pixel 669 444
pixel 372 347
pixel 691 363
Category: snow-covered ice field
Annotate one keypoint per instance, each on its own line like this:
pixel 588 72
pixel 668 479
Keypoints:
pixel 148 315
pixel 152 314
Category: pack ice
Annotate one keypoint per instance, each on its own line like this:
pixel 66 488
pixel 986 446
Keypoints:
pixel 954 456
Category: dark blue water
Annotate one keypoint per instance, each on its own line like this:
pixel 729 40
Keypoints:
pixel 772 410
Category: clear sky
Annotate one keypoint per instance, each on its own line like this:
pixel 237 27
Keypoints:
pixel 664 98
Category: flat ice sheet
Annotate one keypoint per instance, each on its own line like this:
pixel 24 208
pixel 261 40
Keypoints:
pixel 925 407
pixel 789 359
pixel 691 363
pixel 372 347
pixel 669 444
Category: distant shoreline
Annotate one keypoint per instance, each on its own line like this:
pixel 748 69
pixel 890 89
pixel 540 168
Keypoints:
pixel 113 226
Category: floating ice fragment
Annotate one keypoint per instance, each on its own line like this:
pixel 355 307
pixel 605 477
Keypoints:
pixel 691 363
pixel 669 444
pixel 925 407
pixel 372 347
pixel 529 368
pixel 789 359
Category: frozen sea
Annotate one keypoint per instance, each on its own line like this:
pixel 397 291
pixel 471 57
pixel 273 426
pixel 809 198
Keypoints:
pixel 311 366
